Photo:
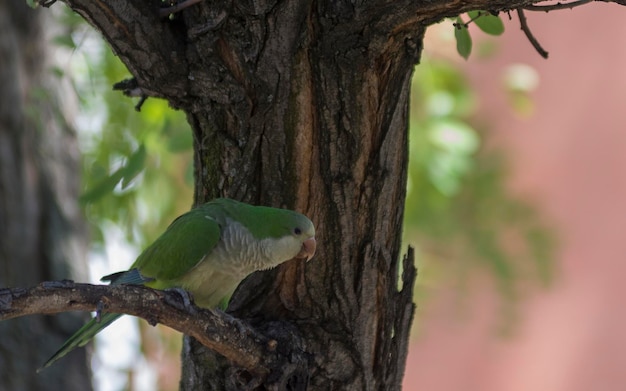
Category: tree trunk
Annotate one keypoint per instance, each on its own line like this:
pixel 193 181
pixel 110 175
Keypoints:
pixel 41 228
pixel 314 119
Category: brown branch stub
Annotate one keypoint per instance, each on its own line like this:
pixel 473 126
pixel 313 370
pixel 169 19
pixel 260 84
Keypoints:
pixel 226 335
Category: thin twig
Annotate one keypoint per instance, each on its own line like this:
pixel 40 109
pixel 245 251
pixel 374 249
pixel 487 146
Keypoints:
pixel 478 15
pixel 524 25
pixel 557 6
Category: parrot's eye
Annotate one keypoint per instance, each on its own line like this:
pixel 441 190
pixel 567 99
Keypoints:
pixel 297 231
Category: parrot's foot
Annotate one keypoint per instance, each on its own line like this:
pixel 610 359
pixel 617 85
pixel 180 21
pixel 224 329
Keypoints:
pixel 99 308
pixel 185 296
pixel 242 326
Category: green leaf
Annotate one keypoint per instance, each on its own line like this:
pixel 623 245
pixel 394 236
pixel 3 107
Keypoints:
pixel 102 188
pixel 135 166
pixel 487 22
pixel 57 71
pixel 126 174
pixel 463 39
pixel 64 41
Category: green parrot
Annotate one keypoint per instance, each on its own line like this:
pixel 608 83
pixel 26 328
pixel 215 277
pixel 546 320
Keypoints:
pixel 208 251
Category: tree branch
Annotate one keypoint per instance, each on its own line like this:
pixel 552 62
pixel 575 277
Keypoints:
pixel 232 338
pixel 161 53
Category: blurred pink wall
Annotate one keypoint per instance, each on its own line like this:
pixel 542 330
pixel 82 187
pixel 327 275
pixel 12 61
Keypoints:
pixel 570 156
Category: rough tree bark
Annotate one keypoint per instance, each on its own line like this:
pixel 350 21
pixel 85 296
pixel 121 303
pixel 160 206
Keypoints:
pixel 303 105
pixel 41 235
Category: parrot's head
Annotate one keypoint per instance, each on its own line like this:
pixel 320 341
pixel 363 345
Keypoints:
pixel 304 232
pixel 297 239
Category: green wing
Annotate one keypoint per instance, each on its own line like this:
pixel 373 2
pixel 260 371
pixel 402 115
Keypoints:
pixel 181 247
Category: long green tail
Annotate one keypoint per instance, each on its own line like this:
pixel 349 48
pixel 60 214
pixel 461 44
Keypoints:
pixel 93 327
pixel 82 336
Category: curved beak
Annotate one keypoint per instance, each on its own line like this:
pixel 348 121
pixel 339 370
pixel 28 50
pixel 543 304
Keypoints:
pixel 308 248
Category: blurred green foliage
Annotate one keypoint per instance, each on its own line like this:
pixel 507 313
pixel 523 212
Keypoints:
pixel 137 166
pixel 459 212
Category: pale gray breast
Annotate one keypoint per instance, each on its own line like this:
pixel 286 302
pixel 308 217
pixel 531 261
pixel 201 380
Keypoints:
pixel 238 252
